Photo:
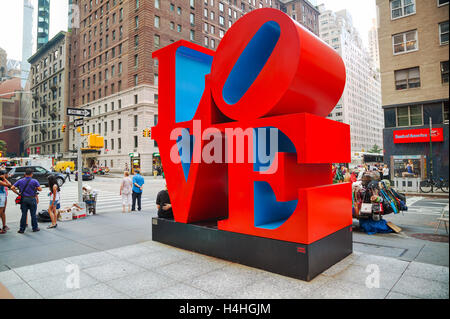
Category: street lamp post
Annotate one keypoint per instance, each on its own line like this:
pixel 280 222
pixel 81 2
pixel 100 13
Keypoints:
pixel 431 152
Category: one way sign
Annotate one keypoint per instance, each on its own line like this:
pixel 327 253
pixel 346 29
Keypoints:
pixel 78 112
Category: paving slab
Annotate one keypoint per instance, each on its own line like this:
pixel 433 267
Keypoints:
pixel 130 251
pixel 227 281
pixel 360 274
pixel 99 291
pixel 180 291
pixel 140 284
pixel 23 291
pixel 190 268
pixel 42 270
pixel 10 277
pixel 396 295
pixel 90 260
pixel 274 286
pixel 59 284
pixel 428 271
pixel 421 288
pixel 337 289
pixel 156 259
pixel 112 270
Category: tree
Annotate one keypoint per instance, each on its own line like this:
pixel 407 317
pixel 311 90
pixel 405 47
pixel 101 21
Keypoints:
pixel 2 146
pixel 376 149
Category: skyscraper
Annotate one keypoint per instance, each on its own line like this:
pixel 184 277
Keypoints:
pixel 373 44
pixel 43 25
pixel 360 104
pixel 27 39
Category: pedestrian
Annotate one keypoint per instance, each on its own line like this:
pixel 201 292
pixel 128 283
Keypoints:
pixel 55 200
pixel 4 185
pixel 26 187
pixel 163 204
pixel 386 172
pixel 138 182
pixel 68 173
pixel 126 189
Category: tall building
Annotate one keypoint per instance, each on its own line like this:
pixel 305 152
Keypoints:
pixel 43 23
pixel 113 74
pixel 373 44
pixel 3 62
pixel 9 114
pixel 303 11
pixel 27 39
pixel 50 99
pixel 360 104
pixel 413 37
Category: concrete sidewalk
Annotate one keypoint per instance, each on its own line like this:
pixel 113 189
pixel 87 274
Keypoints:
pixel 153 270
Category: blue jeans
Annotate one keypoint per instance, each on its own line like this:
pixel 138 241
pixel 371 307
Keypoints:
pixel 136 196
pixel 28 204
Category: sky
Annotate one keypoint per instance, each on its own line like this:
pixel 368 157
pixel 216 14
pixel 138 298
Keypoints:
pixel 11 19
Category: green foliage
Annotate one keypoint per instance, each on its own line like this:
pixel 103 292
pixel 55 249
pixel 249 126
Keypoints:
pixel 376 149
pixel 2 146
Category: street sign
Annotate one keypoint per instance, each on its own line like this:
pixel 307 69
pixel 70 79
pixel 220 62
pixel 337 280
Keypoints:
pixel 133 154
pixel 78 112
pixel 78 122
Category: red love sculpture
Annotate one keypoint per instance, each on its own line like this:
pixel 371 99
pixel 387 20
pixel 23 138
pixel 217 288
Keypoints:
pixel 268 87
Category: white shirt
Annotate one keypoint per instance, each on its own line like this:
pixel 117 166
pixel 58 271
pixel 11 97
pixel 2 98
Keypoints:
pixel 385 171
pixel 68 170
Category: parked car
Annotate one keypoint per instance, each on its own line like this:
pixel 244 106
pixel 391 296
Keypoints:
pixel 39 173
pixel 86 175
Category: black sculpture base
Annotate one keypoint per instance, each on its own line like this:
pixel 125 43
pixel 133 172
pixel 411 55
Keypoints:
pixel 285 258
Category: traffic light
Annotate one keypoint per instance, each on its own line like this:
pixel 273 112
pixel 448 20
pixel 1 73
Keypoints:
pixel 96 141
pixel 146 132
pixel 63 128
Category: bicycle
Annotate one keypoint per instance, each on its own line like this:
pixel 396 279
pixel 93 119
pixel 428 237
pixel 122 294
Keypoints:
pixel 427 186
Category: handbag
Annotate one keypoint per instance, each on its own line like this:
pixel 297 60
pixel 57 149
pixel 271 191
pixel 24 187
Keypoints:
pixel 366 208
pixel 20 197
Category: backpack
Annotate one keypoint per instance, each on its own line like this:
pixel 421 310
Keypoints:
pixel 44 217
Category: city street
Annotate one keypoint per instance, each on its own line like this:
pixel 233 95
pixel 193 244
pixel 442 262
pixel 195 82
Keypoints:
pixel 273 122
pixel 118 259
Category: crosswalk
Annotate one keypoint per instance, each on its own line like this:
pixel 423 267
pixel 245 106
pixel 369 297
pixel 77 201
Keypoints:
pixel 107 201
pixel 417 208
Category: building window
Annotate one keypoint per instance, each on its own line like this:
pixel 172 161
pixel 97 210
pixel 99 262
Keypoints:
pixel 444 71
pixel 156 40
pixel 192 3
pixel 402 8
pixel 192 35
pixel 443 33
pixel 135 141
pixel 157 4
pixel 156 22
pixel 407 78
pixel 192 19
pixel 445 111
pixel 136 80
pixel 409 115
pixel 442 2
pixel 405 42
